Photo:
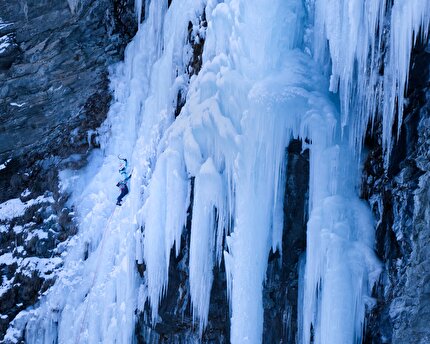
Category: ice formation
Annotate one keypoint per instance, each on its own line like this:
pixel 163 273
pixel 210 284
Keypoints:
pixel 357 33
pixel 265 79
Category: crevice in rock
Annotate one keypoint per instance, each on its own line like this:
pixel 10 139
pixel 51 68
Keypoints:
pixel 280 293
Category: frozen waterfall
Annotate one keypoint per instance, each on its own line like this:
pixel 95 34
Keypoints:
pixel 272 71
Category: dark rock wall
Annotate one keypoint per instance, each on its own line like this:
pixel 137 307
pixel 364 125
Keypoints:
pixel 34 243
pixel 280 292
pixel 53 79
pixel 400 200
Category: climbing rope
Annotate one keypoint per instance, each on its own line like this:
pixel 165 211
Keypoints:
pixel 94 278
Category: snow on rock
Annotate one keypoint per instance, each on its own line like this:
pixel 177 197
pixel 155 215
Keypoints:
pixel 17 104
pixel 3 165
pixel 15 207
pixel 4 25
pixel 5 42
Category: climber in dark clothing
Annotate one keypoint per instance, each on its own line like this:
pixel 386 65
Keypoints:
pixel 122 184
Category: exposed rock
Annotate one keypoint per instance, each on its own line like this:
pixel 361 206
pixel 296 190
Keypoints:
pixel 53 81
pixel 196 39
pixel 400 200
pixel 280 293
pixel 30 254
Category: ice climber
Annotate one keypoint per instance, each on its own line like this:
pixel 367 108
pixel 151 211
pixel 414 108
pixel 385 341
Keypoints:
pixel 122 184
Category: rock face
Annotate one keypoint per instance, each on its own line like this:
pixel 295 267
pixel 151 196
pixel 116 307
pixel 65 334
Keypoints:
pixel 30 254
pixel 400 200
pixel 280 293
pixel 53 80
pixel 54 91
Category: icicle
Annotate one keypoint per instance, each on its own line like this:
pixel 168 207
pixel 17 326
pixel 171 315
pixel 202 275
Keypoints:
pixel 139 246
pixel 177 199
pixel 354 31
pixel 208 205
pixel 138 10
pixel 410 22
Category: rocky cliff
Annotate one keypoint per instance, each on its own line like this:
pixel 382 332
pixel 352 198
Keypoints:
pixel 54 91
pixel 53 82
pixel 400 200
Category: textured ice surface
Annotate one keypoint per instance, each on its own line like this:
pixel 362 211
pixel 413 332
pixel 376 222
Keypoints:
pixel 361 38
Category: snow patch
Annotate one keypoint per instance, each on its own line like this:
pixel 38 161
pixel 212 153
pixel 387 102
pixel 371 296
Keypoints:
pixel 25 193
pixel 17 104
pixel 5 42
pixel 3 166
pixel 4 25
pixel 74 5
pixel 15 207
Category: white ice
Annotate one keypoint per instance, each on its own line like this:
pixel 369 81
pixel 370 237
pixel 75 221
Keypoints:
pixel 350 34
pixel 248 101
